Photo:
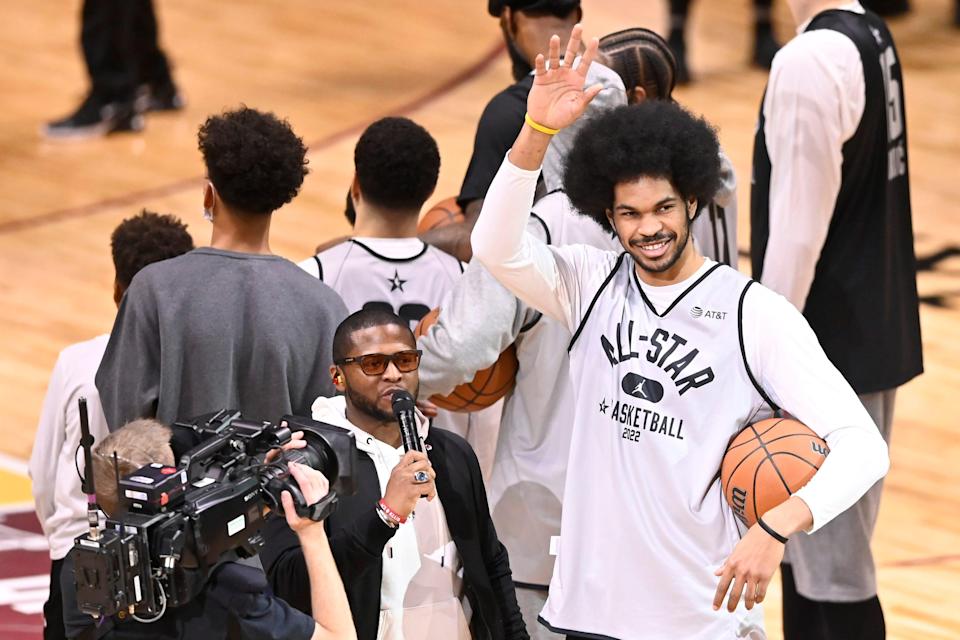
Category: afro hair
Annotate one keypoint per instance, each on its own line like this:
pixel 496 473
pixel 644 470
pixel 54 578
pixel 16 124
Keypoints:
pixel 655 138
pixel 144 239
pixel 254 159
pixel 397 163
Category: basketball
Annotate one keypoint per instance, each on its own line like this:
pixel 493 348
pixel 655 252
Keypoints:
pixel 441 214
pixel 766 463
pixel 487 386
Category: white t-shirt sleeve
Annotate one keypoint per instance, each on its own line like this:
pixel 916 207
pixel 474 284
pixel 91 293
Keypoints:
pixel 814 102
pixel 793 370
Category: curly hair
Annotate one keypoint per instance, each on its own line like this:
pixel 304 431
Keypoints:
pixel 652 139
pixel 254 159
pixel 642 59
pixel 146 238
pixel 397 163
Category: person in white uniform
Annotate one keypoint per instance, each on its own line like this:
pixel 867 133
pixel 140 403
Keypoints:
pixel 61 506
pixel 672 354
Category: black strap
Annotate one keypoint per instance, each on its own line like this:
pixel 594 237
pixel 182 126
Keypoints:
pixel 676 300
pixel 319 267
pixel 776 536
pixel 532 323
pixel 743 352
pixel 583 321
pixel 546 229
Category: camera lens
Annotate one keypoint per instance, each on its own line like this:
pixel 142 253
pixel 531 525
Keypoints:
pixel 275 478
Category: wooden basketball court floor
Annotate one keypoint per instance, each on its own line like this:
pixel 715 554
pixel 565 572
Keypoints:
pixel 333 68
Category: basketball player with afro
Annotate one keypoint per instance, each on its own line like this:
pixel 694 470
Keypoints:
pixel 672 354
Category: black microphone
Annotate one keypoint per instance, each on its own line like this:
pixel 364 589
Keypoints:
pixel 403 406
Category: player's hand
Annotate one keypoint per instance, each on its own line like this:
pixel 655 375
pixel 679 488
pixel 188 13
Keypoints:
pixel 313 485
pixel 748 570
pixel 557 97
pixel 296 442
pixel 427 408
pixel 403 490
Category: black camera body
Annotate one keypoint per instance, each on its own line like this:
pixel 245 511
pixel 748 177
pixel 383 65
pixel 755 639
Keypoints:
pixel 180 521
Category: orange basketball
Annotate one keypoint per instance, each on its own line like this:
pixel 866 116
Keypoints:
pixel 766 463
pixel 440 215
pixel 487 386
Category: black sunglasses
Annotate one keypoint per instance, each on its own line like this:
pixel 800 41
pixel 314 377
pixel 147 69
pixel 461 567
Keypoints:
pixel 374 364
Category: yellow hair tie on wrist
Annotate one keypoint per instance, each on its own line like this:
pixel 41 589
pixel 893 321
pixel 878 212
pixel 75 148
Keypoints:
pixel 539 127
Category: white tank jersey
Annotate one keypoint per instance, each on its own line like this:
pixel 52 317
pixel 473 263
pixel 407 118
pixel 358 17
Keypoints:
pixel 404 275
pixel 529 470
pixel 409 278
pixel 660 392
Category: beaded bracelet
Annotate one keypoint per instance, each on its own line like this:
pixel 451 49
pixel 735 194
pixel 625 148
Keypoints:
pixel 390 513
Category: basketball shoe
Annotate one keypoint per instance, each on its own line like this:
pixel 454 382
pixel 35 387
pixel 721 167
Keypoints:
pixel 95 118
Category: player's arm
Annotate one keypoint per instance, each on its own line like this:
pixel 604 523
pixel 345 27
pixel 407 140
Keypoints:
pixel 524 266
pixel 793 370
pixel 726 195
pixel 128 379
pixel 478 320
pixel 814 102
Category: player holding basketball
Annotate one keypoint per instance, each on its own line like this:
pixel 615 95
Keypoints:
pixel 671 355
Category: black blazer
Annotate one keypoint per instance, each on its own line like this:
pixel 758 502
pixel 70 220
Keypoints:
pixel 357 538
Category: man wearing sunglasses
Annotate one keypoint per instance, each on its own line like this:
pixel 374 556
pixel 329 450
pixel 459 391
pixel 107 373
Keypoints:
pixel 416 538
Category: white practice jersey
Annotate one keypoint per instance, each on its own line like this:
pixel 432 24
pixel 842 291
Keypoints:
pixel 526 484
pixel 409 278
pixel 660 392
pixel 403 275
pixel 661 385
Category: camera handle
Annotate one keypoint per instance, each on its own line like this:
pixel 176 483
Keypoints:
pixel 320 509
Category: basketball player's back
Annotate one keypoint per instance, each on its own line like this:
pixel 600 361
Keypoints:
pixel 404 275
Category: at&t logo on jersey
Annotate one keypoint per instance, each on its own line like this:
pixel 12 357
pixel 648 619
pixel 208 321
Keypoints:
pixel 700 312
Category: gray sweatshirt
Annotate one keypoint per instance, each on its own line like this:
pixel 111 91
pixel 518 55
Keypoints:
pixel 215 329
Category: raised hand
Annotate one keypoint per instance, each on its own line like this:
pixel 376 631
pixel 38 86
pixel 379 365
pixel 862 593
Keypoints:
pixel 557 97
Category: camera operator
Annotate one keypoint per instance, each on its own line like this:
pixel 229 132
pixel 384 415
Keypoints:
pixel 407 571
pixel 235 601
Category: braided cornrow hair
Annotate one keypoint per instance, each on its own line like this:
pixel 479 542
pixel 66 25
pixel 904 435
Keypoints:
pixel 642 59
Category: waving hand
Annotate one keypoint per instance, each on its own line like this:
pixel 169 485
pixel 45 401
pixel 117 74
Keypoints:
pixel 558 98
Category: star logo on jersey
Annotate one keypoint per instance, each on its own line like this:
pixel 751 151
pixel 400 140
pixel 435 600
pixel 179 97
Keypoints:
pixel 604 406
pixel 641 387
pixel 396 282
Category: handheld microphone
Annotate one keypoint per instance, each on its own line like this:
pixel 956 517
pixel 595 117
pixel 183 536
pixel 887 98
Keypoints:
pixel 403 406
